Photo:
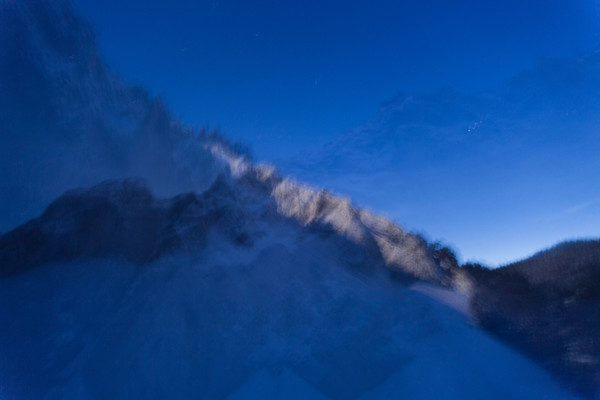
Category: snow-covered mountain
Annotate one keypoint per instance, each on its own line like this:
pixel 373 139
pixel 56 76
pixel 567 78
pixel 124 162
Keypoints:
pixel 113 293
pixel 144 260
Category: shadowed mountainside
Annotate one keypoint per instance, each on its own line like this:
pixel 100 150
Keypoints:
pixel 67 121
pixel 549 307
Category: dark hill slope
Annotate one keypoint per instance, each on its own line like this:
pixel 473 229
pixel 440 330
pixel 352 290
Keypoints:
pixel 548 306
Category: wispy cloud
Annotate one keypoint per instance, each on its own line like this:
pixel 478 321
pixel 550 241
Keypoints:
pixel 581 206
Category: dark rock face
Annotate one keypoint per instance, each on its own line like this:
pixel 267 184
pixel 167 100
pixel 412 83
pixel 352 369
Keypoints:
pixel 549 307
pixel 118 218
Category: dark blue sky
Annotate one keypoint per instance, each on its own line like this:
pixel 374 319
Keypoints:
pixel 288 77
pixel 291 75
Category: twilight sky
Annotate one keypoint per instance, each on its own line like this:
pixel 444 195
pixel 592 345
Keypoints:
pixel 288 77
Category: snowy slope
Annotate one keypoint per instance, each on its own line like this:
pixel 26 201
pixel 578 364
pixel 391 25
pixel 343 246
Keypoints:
pixel 291 309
